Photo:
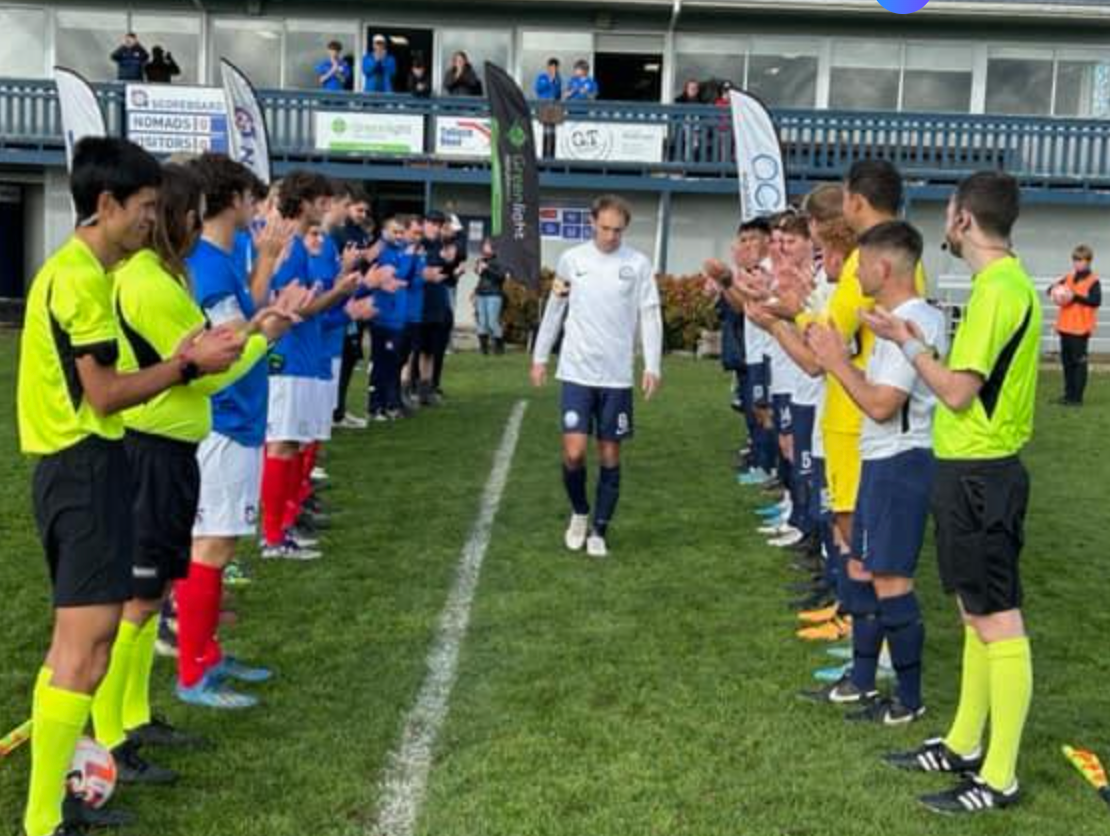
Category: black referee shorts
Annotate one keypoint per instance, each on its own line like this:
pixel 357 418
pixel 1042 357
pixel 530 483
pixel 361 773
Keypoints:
pixel 167 490
pixel 82 499
pixel 979 508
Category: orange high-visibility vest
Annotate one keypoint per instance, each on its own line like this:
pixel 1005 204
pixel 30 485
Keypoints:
pixel 1075 318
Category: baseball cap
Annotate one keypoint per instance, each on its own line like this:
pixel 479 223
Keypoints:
pixel 379 39
pixel 435 217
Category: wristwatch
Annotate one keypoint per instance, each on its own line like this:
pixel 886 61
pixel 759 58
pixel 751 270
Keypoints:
pixel 913 347
pixel 190 371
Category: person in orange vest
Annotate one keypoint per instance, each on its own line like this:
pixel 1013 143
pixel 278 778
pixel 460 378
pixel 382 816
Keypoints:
pixel 1078 296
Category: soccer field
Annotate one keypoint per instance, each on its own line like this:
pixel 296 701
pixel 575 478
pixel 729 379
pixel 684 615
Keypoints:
pixel 650 694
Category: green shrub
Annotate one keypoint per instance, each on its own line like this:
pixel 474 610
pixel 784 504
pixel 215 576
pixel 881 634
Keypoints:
pixel 687 310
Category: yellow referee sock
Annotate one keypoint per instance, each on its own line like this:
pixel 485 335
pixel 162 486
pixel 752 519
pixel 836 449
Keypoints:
pixel 46 673
pixel 58 718
pixel 966 732
pixel 136 694
pixel 1011 676
pixel 107 709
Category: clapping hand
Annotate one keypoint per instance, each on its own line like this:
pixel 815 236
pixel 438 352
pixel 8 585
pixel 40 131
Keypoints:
pixel 284 311
pixel 827 345
pixel 361 310
pixel 348 283
pixel 273 240
pixel 213 350
pixel 717 271
pixel 381 276
pixel 887 326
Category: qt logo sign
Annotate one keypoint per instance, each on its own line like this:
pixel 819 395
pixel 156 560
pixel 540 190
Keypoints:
pixel 903 7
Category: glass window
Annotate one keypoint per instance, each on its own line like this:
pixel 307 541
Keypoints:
pixel 84 41
pixel 480 45
pixel 1019 82
pixel 1082 83
pixel 178 35
pixel 865 75
pixel 937 78
pixel 23 43
pixel 708 59
pixel 306 45
pixel 537 47
pixel 783 72
pixel 254 46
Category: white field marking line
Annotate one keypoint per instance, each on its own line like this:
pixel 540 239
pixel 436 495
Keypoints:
pixel 406 777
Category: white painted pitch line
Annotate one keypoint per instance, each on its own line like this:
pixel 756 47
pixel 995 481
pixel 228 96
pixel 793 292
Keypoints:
pixel 406 776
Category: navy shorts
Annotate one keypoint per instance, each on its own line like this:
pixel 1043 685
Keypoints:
pixel 755 385
pixel 596 410
pixel 892 508
pixel 804 419
pixel 784 416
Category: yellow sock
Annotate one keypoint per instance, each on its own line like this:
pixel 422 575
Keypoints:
pixel 107 709
pixel 136 694
pixel 59 718
pixel 1011 675
pixel 42 681
pixel 966 732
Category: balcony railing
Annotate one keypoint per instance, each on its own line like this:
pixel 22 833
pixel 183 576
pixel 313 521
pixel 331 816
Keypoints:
pixel 697 140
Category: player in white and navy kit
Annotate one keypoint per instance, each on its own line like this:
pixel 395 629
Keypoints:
pixel 755 241
pixel 603 289
pixel 896 481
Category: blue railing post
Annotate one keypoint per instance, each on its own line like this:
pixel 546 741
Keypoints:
pixel 697 144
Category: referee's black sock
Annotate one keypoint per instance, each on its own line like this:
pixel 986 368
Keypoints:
pixel 608 492
pixel 574 480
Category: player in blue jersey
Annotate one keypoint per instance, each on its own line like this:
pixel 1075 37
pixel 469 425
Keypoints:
pixel 387 331
pixel 230 458
pixel 326 266
pixel 294 371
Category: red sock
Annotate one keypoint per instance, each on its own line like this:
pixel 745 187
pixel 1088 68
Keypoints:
pixel 277 477
pixel 198 615
pixel 310 454
pixel 292 504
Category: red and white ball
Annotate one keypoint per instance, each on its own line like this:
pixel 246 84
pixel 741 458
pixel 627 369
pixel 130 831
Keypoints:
pixel 92 773
pixel 1061 294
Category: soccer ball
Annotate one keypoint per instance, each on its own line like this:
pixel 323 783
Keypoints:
pixel 1061 294
pixel 92 773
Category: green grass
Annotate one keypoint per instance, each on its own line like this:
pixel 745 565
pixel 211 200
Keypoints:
pixel 651 694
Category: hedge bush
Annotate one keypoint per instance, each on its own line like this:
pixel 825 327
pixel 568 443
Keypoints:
pixel 687 310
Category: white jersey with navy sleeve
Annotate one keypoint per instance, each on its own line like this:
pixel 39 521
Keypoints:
pixel 609 294
pixel 911 427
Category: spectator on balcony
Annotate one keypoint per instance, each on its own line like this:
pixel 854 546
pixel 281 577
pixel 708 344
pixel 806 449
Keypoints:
pixel 582 86
pixel 461 79
pixel 131 58
pixel 691 93
pixel 333 73
pixel 549 84
pixel 689 139
pixel 724 125
pixel 379 68
pixel 419 83
pixel 162 68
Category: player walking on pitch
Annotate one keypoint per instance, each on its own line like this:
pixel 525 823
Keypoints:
pixel 602 289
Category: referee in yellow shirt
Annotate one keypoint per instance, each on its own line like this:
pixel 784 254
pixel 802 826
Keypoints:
pixel 69 398
pixel 986 393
